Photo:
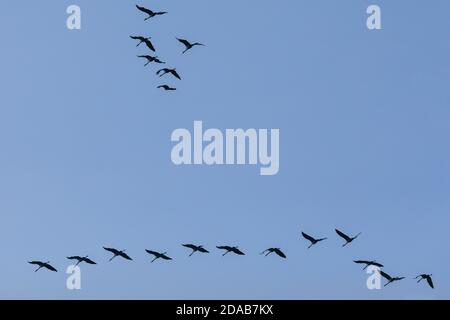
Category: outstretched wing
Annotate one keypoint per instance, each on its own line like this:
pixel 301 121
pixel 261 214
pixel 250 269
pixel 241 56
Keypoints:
pixel 35 262
pixel 124 255
pixel 143 9
pixel 430 282
pixel 280 253
pixel 176 74
pixel 237 251
pixel 385 275
pixel 49 267
pixel 89 261
pixel 343 235
pixel 223 247
pixel 149 45
pixel 152 252
pixel 166 257
pixel 74 258
pixel 376 264
pixel 185 42
pixel 112 250
pixel 361 261
pixel 161 70
pixel 308 237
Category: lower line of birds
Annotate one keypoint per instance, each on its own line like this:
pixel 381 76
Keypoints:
pixel 237 251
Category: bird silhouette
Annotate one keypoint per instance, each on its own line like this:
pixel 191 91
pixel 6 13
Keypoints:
pixel 43 265
pixel 158 255
pixel 311 239
pixel 369 263
pixel 81 259
pixel 117 253
pixel 189 45
pixel 389 278
pixel 166 87
pixel 149 12
pixel 150 59
pixel 276 250
pixel 145 40
pixel 194 247
pixel 163 71
pixel 346 237
pixel 230 249
pixel 426 277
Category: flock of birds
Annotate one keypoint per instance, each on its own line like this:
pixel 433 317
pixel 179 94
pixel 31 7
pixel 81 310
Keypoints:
pixel 235 250
pixel 155 59
pixel 199 248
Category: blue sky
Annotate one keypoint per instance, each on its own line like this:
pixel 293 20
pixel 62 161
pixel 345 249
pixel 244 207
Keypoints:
pixel 85 148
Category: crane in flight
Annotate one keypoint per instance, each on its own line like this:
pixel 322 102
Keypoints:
pixel 427 277
pixel 195 248
pixel 158 255
pixel 145 40
pixel 189 45
pixel 369 263
pixel 149 12
pixel 230 249
pixel 81 259
pixel 163 71
pixel 311 239
pixel 389 278
pixel 276 250
pixel 43 265
pixel 347 238
pixel 150 59
pixel 117 253
pixel 166 87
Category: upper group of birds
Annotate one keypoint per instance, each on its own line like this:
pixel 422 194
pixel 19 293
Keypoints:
pixel 155 59
pixel 234 249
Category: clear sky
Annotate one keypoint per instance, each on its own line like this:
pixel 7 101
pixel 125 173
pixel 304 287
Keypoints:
pixel 364 146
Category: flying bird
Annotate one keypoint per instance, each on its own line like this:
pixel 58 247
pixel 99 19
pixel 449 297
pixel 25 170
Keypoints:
pixel 163 71
pixel 150 59
pixel 167 88
pixel 145 40
pixel 81 259
pixel 369 263
pixel 389 278
pixel 43 265
pixel 346 237
pixel 426 277
pixel 189 45
pixel 158 255
pixel 149 12
pixel 117 253
pixel 230 249
pixel 276 250
pixel 311 239
pixel 193 247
